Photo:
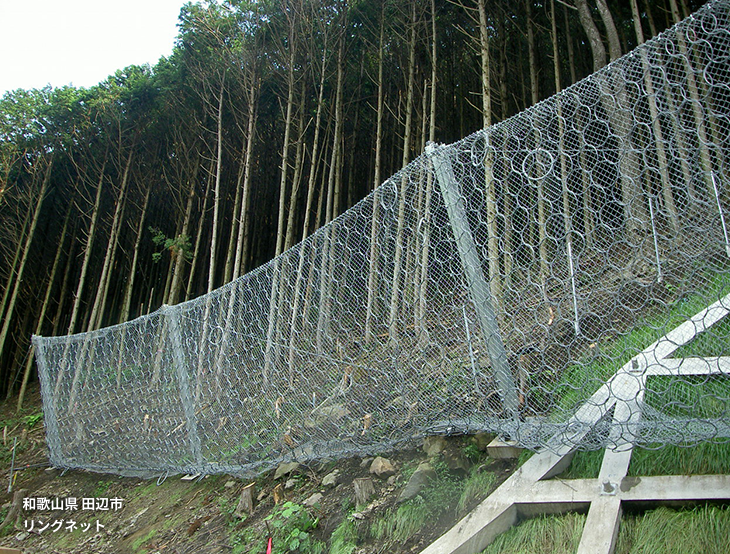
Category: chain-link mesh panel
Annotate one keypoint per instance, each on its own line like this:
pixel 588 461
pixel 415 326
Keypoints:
pixel 514 282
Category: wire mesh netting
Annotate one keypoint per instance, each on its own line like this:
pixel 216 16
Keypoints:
pixel 495 284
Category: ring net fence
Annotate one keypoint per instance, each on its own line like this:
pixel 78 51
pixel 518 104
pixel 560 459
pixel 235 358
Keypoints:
pixel 494 284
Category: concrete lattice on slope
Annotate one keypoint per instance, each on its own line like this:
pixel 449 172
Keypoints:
pixel 530 492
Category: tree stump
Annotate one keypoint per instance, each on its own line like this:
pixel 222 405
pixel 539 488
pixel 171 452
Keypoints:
pixel 246 502
pixel 364 490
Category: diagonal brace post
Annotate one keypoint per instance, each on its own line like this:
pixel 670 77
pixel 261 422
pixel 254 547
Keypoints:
pixel 186 397
pixel 478 287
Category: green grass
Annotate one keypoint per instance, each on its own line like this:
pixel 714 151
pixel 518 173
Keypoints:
pixel 401 523
pixel 702 530
pixel 683 398
pixel 446 497
pixel 705 458
pixel 553 534
pixel 713 342
pixel 344 538
pixel 583 377
pixel 701 459
pixel 477 486
pixel 585 465
pixel 704 397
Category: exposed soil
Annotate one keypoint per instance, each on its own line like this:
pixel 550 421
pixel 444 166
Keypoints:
pixel 171 515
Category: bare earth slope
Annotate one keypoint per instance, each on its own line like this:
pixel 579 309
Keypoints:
pixel 311 509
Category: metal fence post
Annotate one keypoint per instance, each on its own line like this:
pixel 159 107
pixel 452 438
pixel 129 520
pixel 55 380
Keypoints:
pixel 50 402
pixel 478 286
pixel 178 357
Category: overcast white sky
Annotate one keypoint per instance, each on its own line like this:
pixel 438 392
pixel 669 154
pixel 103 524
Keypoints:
pixel 81 42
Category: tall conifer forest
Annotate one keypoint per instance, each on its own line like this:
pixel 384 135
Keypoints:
pixel 269 119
